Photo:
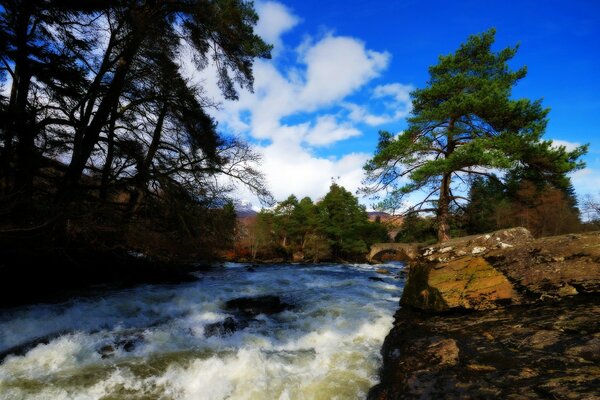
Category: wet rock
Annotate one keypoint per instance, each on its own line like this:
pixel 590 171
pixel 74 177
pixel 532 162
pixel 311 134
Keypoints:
pixel 467 283
pixel 224 328
pixel 542 339
pixel 590 350
pixel 129 341
pixel 480 368
pixel 375 279
pixel 126 342
pixel 252 306
pixel 107 351
pixel 442 352
pixel 382 271
pixel 523 313
pixel 250 268
pixel 24 348
pixel 528 356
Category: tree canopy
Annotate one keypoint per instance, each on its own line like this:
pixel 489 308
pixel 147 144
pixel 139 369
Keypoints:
pixel 336 227
pixel 99 85
pixel 103 112
pixel 463 124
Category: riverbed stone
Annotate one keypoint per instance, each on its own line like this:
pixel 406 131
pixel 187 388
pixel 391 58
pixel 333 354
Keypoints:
pixel 253 306
pixel 224 328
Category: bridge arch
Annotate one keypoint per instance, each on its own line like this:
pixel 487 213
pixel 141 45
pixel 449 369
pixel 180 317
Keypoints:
pixel 403 251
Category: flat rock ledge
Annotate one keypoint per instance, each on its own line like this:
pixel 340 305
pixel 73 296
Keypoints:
pixel 501 315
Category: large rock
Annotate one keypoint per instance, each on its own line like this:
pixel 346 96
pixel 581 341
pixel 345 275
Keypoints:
pixel 552 267
pixel 546 350
pixel 224 328
pixel 545 345
pixel 505 267
pixel 476 245
pixel 252 306
pixel 467 282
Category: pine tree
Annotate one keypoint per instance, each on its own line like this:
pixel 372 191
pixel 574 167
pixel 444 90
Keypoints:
pixel 463 124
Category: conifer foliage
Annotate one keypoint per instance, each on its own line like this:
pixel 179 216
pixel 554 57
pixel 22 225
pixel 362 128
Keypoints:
pixel 465 123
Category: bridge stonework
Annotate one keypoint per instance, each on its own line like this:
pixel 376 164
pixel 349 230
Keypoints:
pixel 405 251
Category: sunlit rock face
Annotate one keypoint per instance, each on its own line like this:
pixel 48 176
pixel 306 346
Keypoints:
pixel 502 316
pixel 504 267
pixel 279 332
pixel 468 283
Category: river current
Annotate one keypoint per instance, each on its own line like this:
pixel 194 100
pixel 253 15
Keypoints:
pixel 149 343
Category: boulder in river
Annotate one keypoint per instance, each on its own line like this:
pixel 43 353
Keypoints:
pixel 224 328
pixel 252 306
pixel 126 342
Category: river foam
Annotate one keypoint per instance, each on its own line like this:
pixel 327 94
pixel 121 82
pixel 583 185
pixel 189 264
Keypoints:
pixel 327 347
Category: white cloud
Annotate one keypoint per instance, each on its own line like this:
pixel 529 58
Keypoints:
pixel 570 146
pixel 298 106
pixel 336 67
pixel 275 20
pixel 396 97
pixel 327 130
pixel 400 92
pixel 586 181
pixel 291 169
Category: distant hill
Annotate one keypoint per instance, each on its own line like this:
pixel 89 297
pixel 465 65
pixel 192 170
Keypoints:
pixel 385 217
pixel 245 210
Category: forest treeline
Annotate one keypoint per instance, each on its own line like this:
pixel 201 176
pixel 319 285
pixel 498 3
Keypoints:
pixel 104 138
pixel 544 209
pixel 336 228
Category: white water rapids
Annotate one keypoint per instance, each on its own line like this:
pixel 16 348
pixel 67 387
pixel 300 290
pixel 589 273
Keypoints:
pixel 326 347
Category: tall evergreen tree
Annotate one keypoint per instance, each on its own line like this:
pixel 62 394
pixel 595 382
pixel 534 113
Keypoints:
pixel 463 124
pixel 342 219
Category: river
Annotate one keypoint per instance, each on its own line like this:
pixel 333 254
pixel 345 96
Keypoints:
pixel 149 343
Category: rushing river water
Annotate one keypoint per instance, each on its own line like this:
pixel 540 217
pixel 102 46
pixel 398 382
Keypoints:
pixel 149 342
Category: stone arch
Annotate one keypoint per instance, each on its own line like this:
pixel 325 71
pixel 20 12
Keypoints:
pixel 402 251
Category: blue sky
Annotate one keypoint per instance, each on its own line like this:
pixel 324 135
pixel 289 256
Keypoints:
pixel 342 71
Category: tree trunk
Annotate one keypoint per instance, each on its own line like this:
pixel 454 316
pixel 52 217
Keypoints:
pixel 444 209
pixel 91 133
pixel 443 216
pixel 110 151
pixel 141 178
pixel 20 127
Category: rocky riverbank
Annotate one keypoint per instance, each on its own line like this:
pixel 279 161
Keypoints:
pixel 498 316
pixel 51 274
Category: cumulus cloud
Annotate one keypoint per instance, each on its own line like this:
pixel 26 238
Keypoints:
pixel 298 107
pixel 400 92
pixel 328 130
pixel 586 181
pixel 337 66
pixel 570 146
pixel 275 20
pixel 396 101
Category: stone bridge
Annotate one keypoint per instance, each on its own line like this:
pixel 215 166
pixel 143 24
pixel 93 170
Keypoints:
pixel 403 251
